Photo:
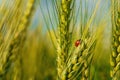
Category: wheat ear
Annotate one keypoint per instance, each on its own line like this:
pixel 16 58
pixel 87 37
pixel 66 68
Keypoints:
pixel 19 40
pixel 63 40
pixel 78 65
pixel 115 55
pixel 11 48
pixel 4 54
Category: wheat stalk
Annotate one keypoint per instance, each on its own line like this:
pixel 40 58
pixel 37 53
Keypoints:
pixel 115 55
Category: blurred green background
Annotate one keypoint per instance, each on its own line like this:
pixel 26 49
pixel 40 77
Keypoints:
pixel 39 54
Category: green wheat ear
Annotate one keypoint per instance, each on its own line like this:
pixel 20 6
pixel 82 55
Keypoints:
pixel 115 55
pixel 63 40
pixel 10 31
pixel 80 59
pixel 19 40
pixel 74 64
pixel 16 34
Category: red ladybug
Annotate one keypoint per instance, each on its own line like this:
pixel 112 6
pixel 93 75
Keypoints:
pixel 77 43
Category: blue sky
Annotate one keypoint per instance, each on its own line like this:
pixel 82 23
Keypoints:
pixel 102 10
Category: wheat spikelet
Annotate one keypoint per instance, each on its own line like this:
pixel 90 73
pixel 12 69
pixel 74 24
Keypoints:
pixel 115 55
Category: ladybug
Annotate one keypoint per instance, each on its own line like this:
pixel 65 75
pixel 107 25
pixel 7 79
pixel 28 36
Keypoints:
pixel 77 43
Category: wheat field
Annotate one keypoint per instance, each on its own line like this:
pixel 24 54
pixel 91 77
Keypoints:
pixel 59 39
